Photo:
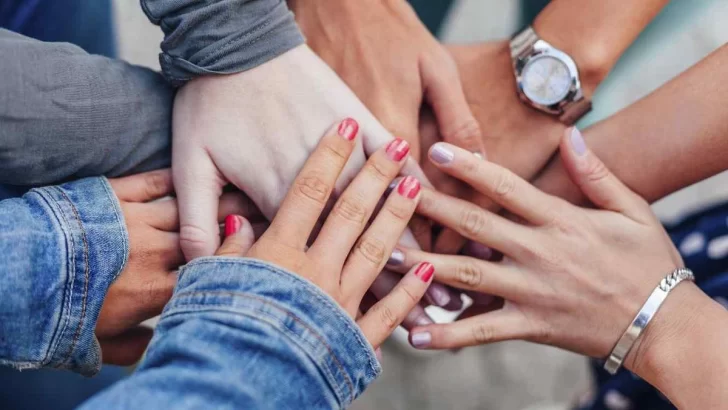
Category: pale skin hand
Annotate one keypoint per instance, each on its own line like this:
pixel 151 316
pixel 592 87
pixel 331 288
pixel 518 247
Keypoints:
pixel 575 277
pixel 381 49
pixel 346 256
pixel 148 279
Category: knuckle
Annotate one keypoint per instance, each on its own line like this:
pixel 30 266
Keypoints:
pixel 399 212
pixel 338 153
pixel 473 221
pixel 483 334
pixel 596 171
pixel 379 171
pixel 466 133
pixel 469 275
pixel 386 316
pixel 412 299
pixel 473 167
pixel 505 184
pixel 350 210
pixel 192 237
pixel 372 249
pixel 312 187
pixel 156 184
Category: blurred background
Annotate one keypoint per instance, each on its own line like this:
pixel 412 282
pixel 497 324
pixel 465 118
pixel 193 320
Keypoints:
pixel 504 376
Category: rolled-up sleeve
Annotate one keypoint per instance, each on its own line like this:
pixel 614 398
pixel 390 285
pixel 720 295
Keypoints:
pixel 205 37
pixel 244 334
pixel 61 248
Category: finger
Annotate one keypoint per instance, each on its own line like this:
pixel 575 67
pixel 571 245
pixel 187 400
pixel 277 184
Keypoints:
pixel 497 183
pixel 381 320
pixel 422 230
pixel 449 242
pixel 594 179
pixel 143 187
pixel 383 285
pixel 444 92
pixel 467 273
pixel 310 192
pixel 127 348
pixel 376 244
pixel 474 222
pixel 491 327
pixel 356 205
pixel 237 203
pixel 199 186
pixel 239 237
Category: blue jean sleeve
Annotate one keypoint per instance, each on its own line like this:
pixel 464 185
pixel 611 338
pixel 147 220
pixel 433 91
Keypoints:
pixel 203 37
pixel 61 248
pixel 240 333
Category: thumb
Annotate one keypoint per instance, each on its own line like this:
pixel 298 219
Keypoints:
pixel 239 237
pixel 599 185
pixel 444 92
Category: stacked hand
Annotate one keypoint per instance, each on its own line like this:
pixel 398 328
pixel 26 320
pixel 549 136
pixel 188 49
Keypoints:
pixel 148 279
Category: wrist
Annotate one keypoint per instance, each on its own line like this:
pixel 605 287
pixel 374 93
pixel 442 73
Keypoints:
pixel 680 338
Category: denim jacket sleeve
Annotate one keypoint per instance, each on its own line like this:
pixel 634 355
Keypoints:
pixel 61 247
pixel 205 37
pixel 243 334
pixel 65 114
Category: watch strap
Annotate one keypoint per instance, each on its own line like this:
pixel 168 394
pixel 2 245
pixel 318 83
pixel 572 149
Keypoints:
pixel 574 111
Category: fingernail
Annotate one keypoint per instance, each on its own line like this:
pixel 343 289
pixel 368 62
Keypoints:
pixel 423 321
pixel 397 149
pixel 438 295
pixel 349 128
pixel 421 339
pixel 478 250
pixel 441 154
pixel 396 259
pixel 378 353
pixel 409 187
pixel 425 271
pixel 577 141
pixel 233 224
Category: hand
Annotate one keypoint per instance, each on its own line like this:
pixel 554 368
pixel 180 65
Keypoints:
pixel 381 49
pixel 516 136
pixel 145 285
pixel 346 256
pixel 571 277
pixel 255 130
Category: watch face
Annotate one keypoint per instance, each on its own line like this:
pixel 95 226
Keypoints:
pixel 546 80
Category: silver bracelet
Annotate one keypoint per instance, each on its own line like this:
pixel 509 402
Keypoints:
pixel 643 318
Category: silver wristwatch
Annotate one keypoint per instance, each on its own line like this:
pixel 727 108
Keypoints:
pixel 547 78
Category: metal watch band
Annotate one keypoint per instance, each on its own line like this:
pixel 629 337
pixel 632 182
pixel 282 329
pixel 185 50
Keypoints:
pixel 643 318
pixel 523 42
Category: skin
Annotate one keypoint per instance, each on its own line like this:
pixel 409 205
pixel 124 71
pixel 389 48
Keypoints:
pixel 685 118
pixel 381 49
pixel 594 33
pixel 148 279
pixel 348 254
pixel 575 277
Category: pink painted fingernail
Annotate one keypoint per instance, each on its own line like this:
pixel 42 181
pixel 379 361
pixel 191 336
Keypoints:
pixel 233 224
pixel 577 141
pixel 397 149
pixel 409 187
pixel 441 154
pixel 396 259
pixel 349 128
pixel 421 340
pixel 425 271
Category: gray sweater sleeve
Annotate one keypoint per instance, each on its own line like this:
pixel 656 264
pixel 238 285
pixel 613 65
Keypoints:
pixel 66 114
pixel 205 37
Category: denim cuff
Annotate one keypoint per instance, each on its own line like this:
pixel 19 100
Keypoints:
pixel 293 306
pixel 92 235
pixel 220 36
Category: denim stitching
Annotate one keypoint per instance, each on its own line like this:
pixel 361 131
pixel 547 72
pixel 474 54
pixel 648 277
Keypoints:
pixel 119 216
pixel 316 292
pixel 284 311
pixel 77 334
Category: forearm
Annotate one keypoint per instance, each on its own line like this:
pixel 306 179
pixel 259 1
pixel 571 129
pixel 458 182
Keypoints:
pixel 674 137
pixel 241 333
pixel 66 114
pixel 595 33
pixel 220 36
pixel 682 351
pixel 61 248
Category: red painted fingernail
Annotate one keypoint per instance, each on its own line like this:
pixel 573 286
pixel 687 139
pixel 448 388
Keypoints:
pixel 233 224
pixel 398 149
pixel 425 271
pixel 349 128
pixel 409 187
